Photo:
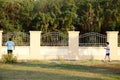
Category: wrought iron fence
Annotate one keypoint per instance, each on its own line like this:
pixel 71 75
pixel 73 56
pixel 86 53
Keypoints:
pixel 92 39
pixel 54 39
pixel 118 40
pixel 19 38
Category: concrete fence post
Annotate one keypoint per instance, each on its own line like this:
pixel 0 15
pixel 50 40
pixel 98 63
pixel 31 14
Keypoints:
pixel 35 44
pixel 112 38
pixel 73 45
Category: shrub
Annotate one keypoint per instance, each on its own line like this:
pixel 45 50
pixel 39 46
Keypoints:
pixel 9 58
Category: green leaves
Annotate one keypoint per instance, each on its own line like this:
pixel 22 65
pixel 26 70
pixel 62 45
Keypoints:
pixel 62 15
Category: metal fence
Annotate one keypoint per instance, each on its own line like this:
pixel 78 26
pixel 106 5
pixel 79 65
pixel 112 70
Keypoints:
pixel 92 39
pixel 19 38
pixel 118 40
pixel 57 39
pixel 54 39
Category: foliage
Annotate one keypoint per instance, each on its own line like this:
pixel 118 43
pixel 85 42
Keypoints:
pixel 9 58
pixel 62 15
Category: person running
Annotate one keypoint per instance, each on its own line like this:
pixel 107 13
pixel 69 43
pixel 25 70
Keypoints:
pixel 107 52
pixel 10 46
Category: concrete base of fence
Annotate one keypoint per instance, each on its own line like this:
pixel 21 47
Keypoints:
pixel 71 52
pixel 60 53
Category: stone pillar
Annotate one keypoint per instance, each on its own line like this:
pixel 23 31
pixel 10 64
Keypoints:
pixel 35 44
pixel 112 38
pixel 73 45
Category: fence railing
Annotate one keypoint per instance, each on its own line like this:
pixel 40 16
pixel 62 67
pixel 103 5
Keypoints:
pixel 54 39
pixel 92 39
pixel 19 38
pixel 57 39
pixel 118 40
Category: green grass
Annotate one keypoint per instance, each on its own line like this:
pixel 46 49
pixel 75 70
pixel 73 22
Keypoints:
pixel 61 70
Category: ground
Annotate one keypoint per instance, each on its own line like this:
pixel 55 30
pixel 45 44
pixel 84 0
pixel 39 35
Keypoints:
pixel 61 70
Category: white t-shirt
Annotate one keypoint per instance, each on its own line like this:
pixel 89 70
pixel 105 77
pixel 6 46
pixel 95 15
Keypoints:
pixel 107 49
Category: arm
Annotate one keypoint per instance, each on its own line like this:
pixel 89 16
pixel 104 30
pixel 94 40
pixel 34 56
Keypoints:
pixel 6 44
pixel 107 48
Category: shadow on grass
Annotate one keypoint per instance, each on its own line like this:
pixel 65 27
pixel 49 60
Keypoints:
pixel 75 67
pixel 6 74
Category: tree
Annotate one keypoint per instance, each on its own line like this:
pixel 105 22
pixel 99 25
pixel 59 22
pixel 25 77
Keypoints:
pixel 9 17
pixel 60 15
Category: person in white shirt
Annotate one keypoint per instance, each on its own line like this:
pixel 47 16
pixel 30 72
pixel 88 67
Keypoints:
pixel 107 51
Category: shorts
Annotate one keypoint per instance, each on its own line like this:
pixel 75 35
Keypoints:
pixel 107 54
pixel 9 51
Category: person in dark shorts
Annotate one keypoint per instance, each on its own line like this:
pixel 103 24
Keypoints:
pixel 10 46
pixel 107 51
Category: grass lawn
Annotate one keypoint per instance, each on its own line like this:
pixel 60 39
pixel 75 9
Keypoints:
pixel 61 70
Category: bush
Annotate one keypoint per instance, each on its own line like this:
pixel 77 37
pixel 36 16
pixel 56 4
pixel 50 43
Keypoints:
pixel 9 58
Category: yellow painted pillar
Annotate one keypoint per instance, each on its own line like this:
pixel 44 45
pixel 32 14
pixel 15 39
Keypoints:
pixel 73 45
pixel 112 38
pixel 35 44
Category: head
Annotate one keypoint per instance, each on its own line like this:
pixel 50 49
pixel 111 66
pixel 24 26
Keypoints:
pixel 107 43
pixel 10 39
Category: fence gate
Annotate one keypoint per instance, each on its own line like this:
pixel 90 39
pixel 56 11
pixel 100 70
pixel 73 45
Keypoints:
pixel 92 39
pixel 54 39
